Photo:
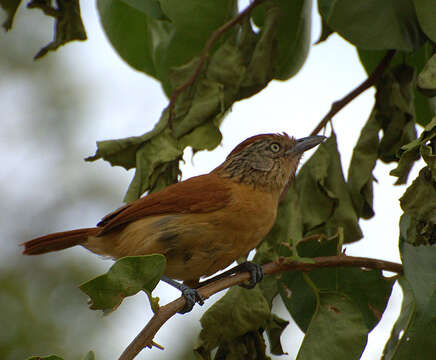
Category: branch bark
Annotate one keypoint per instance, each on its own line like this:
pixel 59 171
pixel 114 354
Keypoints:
pixel 145 337
pixel 370 81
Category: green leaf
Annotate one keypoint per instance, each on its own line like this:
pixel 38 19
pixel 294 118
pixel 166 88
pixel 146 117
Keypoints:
pixel 297 292
pixel 412 336
pixel 50 357
pixel 363 161
pixel 127 28
pixel 10 6
pixel 360 23
pixel 427 78
pixel 410 152
pixel 426 12
pixel 126 277
pixel 192 24
pixel 323 194
pixel 197 18
pixel 150 7
pixel 166 34
pixel 298 297
pixel 293 34
pixel 68 23
pixel 337 330
pixel 403 321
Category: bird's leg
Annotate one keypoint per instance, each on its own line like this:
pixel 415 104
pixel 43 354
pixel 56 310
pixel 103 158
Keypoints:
pixel 191 295
pixel 255 270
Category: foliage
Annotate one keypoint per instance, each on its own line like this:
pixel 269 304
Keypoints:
pixel 203 78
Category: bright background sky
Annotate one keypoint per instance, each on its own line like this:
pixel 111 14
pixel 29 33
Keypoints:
pixel 126 103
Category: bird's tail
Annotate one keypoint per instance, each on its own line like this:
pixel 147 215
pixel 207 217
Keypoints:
pixel 57 241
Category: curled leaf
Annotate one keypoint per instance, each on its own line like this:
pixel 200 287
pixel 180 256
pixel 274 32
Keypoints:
pixel 323 194
pixel 426 81
pixel 410 152
pixel 68 23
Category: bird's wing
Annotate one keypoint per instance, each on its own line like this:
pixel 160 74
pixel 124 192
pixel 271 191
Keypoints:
pixel 199 194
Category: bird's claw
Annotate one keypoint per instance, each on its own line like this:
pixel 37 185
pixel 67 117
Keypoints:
pixel 192 296
pixel 256 274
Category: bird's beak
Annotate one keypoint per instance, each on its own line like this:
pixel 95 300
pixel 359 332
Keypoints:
pixel 306 143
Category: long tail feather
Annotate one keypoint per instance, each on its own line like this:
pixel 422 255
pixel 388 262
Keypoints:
pixel 57 241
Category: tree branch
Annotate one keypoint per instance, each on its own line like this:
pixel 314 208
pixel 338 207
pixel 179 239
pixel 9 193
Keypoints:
pixel 370 81
pixel 145 337
pixel 205 55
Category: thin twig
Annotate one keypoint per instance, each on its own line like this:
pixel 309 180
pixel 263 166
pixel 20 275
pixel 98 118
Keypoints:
pixel 370 81
pixel 145 337
pixel 205 55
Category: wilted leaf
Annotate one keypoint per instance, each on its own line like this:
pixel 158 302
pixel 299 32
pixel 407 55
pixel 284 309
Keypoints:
pixel 126 277
pixel 238 312
pixel 412 336
pixel 68 23
pixel 363 161
pixel 394 101
pixel 417 59
pixel 418 224
pixel 241 66
pixel 426 82
pixel 426 12
pixel 410 152
pixel 158 151
pixel 361 23
pixel 323 194
pixel 10 6
pixel 393 113
pixel 274 330
pixel 337 330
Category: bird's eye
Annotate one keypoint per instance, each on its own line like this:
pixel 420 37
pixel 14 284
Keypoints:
pixel 274 147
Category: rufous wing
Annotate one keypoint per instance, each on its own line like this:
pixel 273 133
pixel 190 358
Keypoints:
pixel 200 194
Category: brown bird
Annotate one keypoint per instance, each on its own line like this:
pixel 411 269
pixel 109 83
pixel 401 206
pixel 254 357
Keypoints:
pixel 202 224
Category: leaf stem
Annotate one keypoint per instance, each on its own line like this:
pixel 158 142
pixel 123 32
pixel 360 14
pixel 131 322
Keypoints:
pixel 370 81
pixel 145 337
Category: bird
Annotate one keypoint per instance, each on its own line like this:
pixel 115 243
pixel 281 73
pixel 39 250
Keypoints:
pixel 202 224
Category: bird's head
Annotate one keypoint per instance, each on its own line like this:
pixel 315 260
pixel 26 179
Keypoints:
pixel 266 160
